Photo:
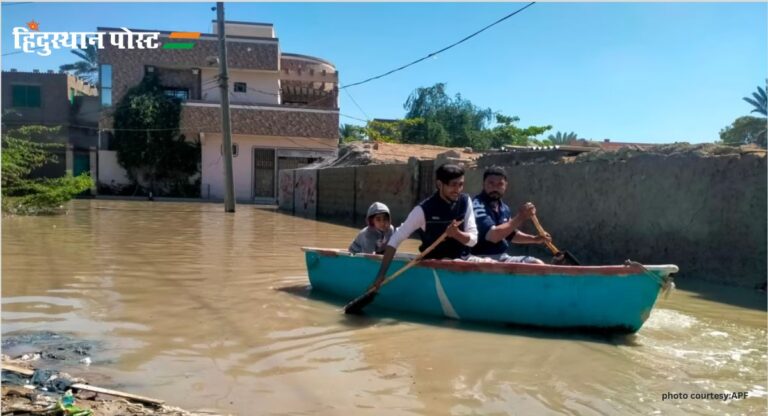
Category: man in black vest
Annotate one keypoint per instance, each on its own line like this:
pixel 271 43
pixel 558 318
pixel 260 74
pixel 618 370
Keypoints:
pixel 496 225
pixel 437 214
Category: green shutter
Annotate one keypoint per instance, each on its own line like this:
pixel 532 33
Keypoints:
pixel 26 96
pixel 33 96
pixel 19 95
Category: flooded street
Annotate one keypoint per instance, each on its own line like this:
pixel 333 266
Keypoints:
pixel 208 310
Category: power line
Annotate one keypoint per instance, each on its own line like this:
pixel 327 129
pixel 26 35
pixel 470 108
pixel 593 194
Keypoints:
pixel 442 50
pixel 14 53
pixel 358 105
pixel 353 118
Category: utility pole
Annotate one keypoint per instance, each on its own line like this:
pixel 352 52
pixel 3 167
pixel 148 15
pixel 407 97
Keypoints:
pixel 226 131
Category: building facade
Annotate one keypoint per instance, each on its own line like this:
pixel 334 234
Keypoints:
pixel 284 107
pixel 54 99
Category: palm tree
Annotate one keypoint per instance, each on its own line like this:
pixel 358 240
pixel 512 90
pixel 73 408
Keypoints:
pixel 349 132
pixel 562 138
pixel 760 101
pixel 87 67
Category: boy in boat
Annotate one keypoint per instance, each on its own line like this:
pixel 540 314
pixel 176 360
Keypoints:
pixel 376 234
pixel 496 225
pixel 448 211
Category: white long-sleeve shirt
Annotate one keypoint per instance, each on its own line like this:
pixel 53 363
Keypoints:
pixel 416 220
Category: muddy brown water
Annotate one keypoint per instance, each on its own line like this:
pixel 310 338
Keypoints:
pixel 208 310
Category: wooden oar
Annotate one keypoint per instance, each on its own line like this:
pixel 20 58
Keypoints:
pixel 555 251
pixel 356 305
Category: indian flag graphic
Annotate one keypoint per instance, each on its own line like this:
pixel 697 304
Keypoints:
pixel 181 45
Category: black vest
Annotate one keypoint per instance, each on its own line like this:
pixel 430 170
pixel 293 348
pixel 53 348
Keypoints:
pixel 438 214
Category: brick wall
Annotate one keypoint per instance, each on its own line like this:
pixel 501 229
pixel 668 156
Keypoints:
pixel 390 184
pixel 55 108
pixel 338 197
pixel 293 64
pixel 54 98
pixel 305 193
pixel 263 122
pixel 285 183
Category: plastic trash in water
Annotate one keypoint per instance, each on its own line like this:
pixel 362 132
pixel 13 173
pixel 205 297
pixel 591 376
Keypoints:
pixel 67 405
pixel 68 399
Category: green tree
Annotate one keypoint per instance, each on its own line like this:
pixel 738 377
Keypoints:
pixel 745 130
pixel 421 131
pixel 457 122
pixel 507 133
pixel 390 131
pixel 21 155
pixel 459 119
pixel 148 142
pixel 562 138
pixel 88 65
pixel 759 100
pixel 350 133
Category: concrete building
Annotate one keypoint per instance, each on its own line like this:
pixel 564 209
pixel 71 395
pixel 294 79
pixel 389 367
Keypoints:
pixel 55 99
pixel 284 107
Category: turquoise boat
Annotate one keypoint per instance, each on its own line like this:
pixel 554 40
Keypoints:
pixel 614 298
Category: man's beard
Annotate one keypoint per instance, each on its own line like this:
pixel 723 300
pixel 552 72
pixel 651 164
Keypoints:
pixel 494 195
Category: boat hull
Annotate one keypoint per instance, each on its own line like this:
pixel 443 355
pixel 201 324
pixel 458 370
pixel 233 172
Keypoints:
pixel 601 297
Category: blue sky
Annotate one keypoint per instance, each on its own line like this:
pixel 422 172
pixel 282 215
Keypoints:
pixel 644 72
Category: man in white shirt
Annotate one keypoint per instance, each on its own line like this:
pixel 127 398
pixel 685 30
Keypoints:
pixel 447 210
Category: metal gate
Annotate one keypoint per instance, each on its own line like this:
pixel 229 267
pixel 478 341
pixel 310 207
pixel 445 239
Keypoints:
pixel 264 173
pixel 81 163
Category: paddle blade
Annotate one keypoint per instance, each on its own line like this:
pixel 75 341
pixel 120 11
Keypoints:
pixel 355 307
pixel 571 258
pixel 565 258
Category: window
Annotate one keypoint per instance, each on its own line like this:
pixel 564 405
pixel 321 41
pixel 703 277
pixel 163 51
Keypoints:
pixel 26 96
pixel 241 87
pixel 105 81
pixel 235 149
pixel 71 95
pixel 180 93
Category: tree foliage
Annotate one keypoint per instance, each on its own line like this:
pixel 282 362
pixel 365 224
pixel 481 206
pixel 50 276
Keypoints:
pixel 21 155
pixel 507 133
pixel 562 138
pixel 446 121
pixel 148 142
pixel 433 117
pixel 745 130
pixel 390 131
pixel 759 100
pixel 350 133
pixel 88 65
